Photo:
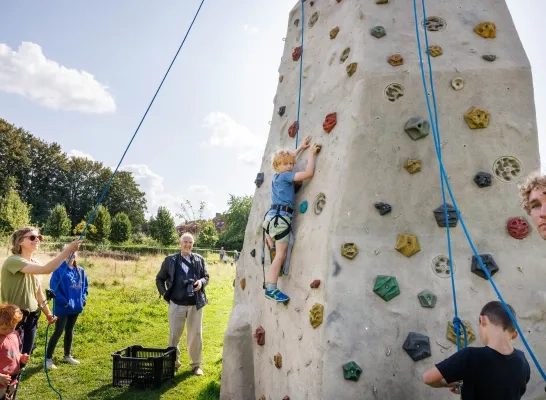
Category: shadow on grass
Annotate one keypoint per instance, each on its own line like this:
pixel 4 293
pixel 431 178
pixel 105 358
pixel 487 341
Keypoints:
pixel 210 392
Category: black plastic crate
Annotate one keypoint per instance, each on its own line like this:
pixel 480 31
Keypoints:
pixel 143 367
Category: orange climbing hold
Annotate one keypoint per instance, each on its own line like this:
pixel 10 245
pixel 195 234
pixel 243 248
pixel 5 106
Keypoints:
pixel 293 129
pixel 330 122
pixel 296 53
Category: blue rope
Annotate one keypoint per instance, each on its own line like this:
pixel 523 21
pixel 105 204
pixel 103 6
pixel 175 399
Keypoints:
pixel 301 71
pixel 117 167
pixel 436 135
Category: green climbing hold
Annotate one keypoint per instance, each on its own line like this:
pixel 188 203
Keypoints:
pixel 427 298
pixel 386 287
pixel 351 371
pixel 303 206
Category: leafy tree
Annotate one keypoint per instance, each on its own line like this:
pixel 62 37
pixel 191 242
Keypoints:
pixel 162 227
pixel 236 220
pixel 125 196
pixel 91 229
pixel 208 236
pixel 103 225
pixel 58 224
pixel 121 228
pixel 14 213
pixel 14 160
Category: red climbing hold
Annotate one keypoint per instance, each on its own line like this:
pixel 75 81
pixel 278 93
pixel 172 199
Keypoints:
pixel 296 53
pixel 292 130
pixel 315 284
pixel 286 398
pixel 518 228
pixel 260 335
pixel 330 122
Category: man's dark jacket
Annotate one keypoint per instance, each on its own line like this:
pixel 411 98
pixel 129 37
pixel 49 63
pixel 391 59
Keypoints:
pixel 165 276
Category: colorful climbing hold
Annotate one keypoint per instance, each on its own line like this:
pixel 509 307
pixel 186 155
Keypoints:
pixel 457 83
pixel 518 228
pixel 383 208
pixel 452 337
pixel 286 398
pixel 427 298
pixel 303 207
pixel 435 51
pixel 319 203
pixel 349 250
pixel 296 53
pixel 344 55
pixel 277 358
pixel 262 397
pixel 330 122
pixel 351 68
pixel 407 245
pixel 395 60
pixel 378 32
pixel 259 179
pixel 488 262
pixel 452 218
pixel 243 283
pixel 477 118
pixel 489 57
pixel 487 30
pixel 282 110
pixel 351 371
pixel 386 287
pixel 292 129
pixel 334 32
pixel 483 179
pixel 315 284
pixel 413 165
pixel 417 346
pixel 417 128
pixel 253 252
pixel 259 334
pixel 316 314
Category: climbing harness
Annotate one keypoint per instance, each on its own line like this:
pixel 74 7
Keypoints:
pixel 51 293
pixel 288 231
pixel 457 323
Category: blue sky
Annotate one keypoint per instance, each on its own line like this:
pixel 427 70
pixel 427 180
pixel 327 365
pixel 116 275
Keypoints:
pixel 82 74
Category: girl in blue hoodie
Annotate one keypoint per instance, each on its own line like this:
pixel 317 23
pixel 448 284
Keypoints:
pixel 70 285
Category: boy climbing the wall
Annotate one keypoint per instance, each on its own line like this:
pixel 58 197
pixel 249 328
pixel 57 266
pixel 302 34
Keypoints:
pixel 11 359
pixel 277 221
pixel 496 371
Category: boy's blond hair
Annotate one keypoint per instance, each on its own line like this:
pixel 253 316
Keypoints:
pixel 10 315
pixel 281 156
pixel 533 181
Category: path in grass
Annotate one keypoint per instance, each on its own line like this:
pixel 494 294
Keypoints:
pixel 123 309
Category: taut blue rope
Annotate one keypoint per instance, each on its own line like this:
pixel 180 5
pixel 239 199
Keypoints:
pixel 114 174
pixel 301 71
pixel 436 135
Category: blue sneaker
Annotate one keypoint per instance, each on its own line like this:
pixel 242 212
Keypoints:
pixel 276 295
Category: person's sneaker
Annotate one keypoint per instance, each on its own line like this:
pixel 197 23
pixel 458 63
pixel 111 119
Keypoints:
pixel 198 371
pixel 70 360
pixel 276 295
pixel 49 364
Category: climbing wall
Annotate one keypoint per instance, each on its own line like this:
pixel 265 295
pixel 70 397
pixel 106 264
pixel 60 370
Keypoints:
pixel 371 300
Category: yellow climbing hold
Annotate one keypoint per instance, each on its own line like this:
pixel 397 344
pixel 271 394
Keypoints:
pixel 486 30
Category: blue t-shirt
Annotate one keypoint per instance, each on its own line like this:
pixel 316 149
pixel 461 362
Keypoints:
pixel 282 191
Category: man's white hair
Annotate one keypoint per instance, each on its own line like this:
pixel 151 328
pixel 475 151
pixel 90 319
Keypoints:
pixel 186 235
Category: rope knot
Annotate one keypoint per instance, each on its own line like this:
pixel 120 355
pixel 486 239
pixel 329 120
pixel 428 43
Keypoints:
pixel 458 326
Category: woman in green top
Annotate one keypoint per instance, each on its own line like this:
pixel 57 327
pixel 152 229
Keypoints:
pixel 19 284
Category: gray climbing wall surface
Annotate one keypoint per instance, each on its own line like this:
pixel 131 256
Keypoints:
pixel 371 303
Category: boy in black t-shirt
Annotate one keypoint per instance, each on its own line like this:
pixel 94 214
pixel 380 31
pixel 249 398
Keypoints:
pixel 496 371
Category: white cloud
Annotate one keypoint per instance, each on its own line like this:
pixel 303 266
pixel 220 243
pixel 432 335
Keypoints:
pixel 228 133
pixel 79 154
pixel 156 195
pixel 27 72
pixel 250 28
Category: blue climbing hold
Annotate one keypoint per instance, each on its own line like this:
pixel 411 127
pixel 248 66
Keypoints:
pixel 303 206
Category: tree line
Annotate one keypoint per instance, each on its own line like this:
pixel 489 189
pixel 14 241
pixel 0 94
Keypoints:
pixel 42 185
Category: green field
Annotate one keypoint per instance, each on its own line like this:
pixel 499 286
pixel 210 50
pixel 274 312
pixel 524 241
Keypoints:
pixel 123 309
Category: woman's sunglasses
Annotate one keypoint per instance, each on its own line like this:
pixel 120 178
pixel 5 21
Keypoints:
pixel 34 237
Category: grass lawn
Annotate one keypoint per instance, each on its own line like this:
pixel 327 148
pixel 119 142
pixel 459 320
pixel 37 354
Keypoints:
pixel 124 309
